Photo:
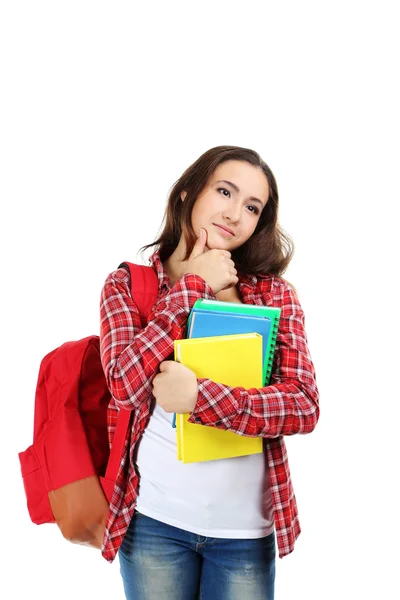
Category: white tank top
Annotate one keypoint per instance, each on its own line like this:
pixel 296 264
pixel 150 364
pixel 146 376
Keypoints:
pixel 228 498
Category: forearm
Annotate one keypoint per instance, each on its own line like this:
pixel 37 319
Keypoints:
pixel 131 355
pixel 280 409
pixel 289 405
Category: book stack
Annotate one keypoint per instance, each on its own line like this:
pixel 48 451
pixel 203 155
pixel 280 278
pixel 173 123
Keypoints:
pixel 232 344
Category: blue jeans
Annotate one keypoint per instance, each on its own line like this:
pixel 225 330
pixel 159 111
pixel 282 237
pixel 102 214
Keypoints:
pixel 159 561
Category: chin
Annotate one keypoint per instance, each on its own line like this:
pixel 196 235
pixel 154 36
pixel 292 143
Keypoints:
pixel 219 245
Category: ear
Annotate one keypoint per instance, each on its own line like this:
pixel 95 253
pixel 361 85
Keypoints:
pixel 183 195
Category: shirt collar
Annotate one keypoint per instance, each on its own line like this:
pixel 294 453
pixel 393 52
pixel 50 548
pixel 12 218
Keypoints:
pixel 156 264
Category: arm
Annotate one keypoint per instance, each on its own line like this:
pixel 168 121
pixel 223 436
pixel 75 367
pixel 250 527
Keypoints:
pixel 287 406
pixel 131 355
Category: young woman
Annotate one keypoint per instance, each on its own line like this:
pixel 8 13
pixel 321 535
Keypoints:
pixel 206 530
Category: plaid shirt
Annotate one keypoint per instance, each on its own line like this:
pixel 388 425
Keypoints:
pixel 131 356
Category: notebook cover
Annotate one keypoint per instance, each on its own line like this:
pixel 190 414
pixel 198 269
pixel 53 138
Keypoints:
pixel 234 360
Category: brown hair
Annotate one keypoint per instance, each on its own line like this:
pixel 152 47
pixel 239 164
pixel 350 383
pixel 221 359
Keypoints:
pixel 268 250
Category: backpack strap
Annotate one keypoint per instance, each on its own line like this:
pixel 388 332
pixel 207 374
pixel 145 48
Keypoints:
pixel 144 288
pixel 144 291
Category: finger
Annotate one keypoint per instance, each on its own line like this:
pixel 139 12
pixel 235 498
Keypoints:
pixel 200 244
pixel 165 365
pixel 233 279
pixel 232 283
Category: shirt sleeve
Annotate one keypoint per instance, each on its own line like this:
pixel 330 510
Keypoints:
pixel 289 405
pixel 131 355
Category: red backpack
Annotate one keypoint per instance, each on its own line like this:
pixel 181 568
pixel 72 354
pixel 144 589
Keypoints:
pixel 69 471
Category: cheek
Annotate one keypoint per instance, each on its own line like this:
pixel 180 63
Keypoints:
pixel 195 215
pixel 250 228
pixel 203 211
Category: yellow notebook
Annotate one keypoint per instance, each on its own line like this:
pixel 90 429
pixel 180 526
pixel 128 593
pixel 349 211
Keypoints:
pixel 234 360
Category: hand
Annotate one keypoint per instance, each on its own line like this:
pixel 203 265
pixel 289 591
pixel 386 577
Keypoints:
pixel 175 387
pixel 215 266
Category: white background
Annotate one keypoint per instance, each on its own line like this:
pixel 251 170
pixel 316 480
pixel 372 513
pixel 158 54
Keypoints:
pixel 103 106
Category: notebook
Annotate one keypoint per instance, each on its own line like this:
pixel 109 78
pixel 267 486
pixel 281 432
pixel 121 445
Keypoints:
pixel 234 360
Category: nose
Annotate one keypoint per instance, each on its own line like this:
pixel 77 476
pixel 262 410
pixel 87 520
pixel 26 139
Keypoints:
pixel 232 213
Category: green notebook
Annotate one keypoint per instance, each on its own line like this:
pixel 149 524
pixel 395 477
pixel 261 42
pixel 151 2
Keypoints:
pixel 270 312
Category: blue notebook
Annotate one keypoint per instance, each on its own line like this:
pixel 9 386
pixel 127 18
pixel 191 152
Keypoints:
pixel 207 323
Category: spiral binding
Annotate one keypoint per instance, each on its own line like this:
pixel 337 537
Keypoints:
pixel 274 335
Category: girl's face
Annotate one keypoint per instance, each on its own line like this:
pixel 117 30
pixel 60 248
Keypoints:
pixel 230 206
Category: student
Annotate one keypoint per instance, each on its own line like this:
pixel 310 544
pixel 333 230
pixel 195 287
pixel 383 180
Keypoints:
pixel 206 530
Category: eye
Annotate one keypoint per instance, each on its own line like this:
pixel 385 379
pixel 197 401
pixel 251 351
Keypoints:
pixel 224 190
pixel 255 209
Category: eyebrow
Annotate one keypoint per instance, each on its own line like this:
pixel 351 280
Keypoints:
pixel 235 187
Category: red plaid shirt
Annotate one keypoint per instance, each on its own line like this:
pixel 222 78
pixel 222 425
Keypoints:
pixel 131 356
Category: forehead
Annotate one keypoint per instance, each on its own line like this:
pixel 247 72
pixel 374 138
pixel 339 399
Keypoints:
pixel 250 179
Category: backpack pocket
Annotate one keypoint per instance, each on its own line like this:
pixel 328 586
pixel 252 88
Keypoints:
pixel 81 509
pixel 35 489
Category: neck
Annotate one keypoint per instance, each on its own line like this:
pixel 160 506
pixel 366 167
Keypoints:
pixel 175 265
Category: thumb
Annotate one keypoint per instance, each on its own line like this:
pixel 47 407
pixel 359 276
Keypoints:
pixel 200 244
pixel 165 365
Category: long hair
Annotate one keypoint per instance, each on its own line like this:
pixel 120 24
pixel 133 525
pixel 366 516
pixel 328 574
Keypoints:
pixel 268 250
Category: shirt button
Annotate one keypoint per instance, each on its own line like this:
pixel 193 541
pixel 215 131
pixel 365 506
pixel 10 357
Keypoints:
pixel 218 422
pixel 197 419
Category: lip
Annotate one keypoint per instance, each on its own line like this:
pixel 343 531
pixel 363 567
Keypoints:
pixel 226 230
